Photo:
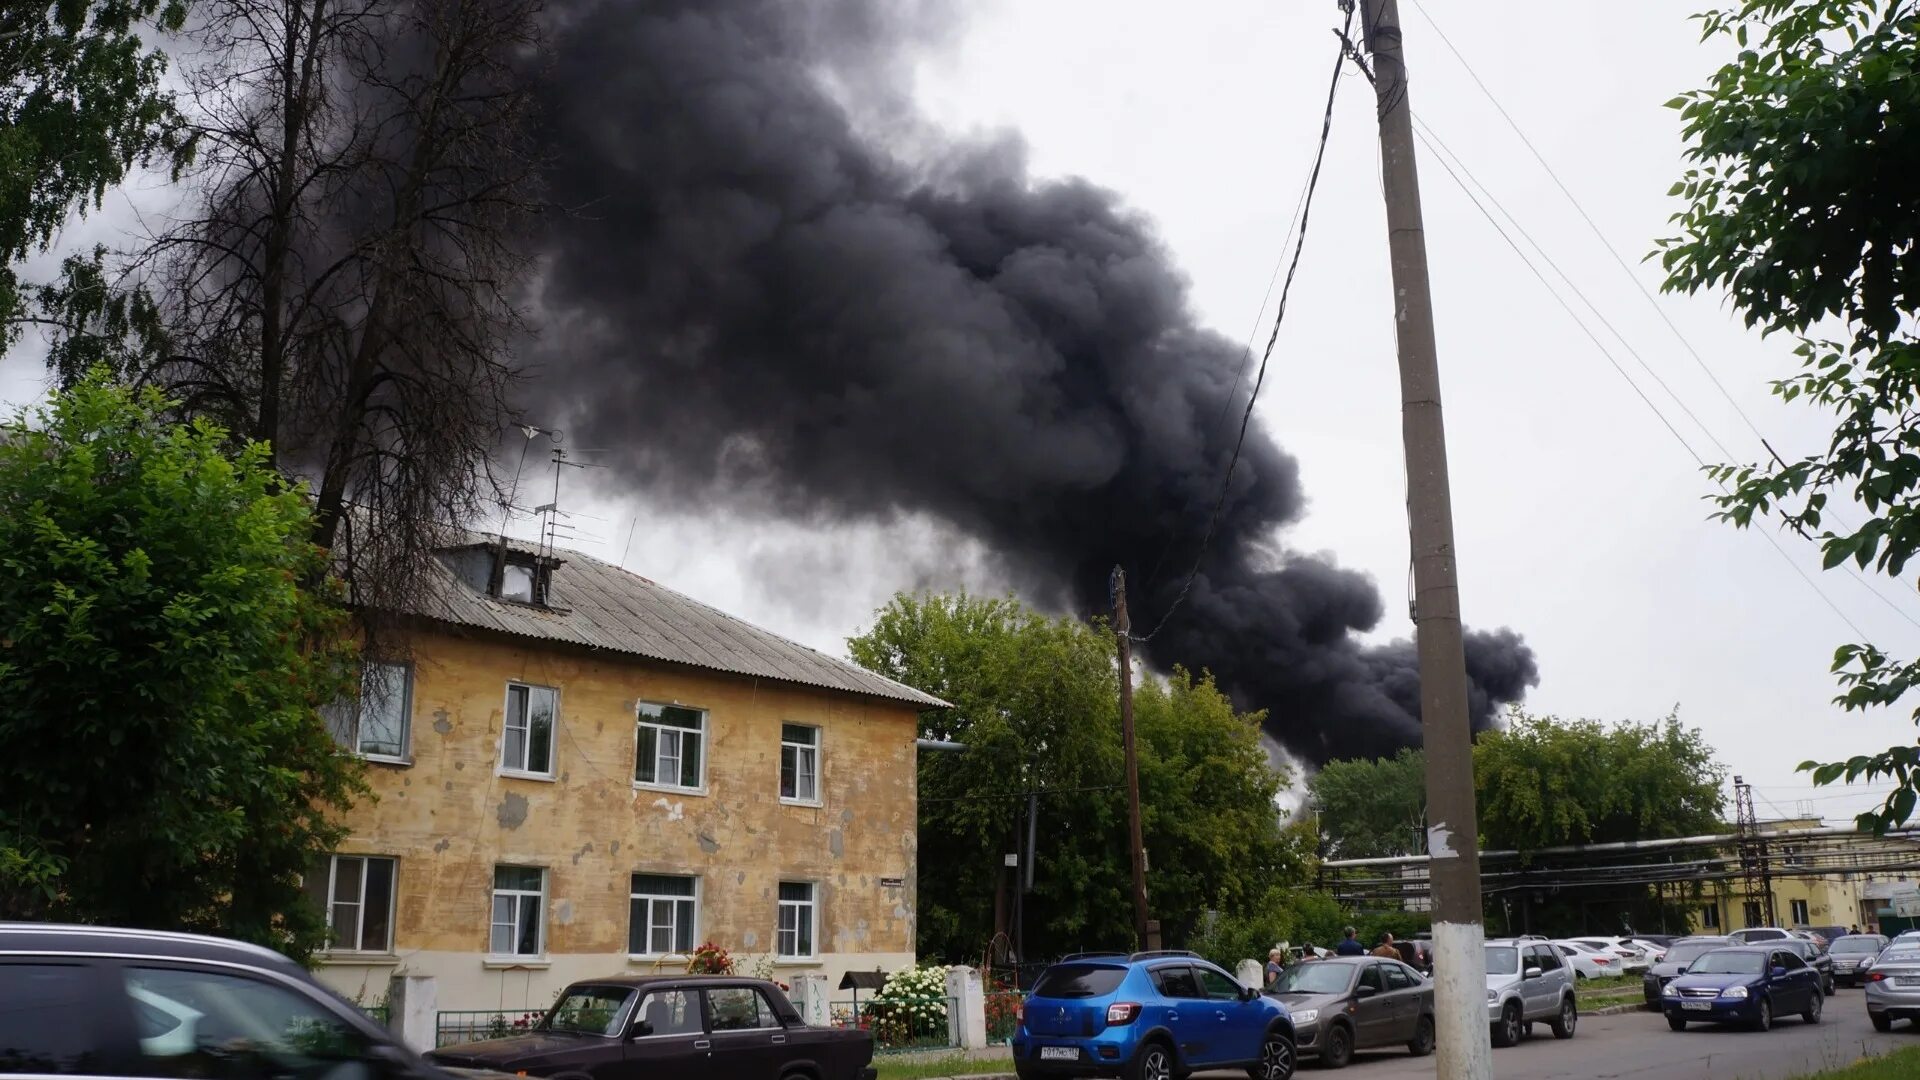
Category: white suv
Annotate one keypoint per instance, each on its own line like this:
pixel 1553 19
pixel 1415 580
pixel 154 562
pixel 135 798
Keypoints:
pixel 1528 982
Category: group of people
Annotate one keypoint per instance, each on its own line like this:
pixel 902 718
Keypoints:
pixel 1349 946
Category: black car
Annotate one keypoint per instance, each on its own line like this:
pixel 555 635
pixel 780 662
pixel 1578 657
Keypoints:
pixel 1852 957
pixel 1347 1003
pixel 1816 958
pixel 627 1027
pixel 104 1002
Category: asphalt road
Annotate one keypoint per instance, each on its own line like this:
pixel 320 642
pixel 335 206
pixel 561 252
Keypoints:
pixel 1640 1045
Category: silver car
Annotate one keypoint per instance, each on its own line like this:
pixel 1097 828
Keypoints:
pixel 1528 982
pixel 1893 986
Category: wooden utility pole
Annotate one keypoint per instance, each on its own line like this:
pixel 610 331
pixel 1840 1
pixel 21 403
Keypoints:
pixel 1460 1010
pixel 1136 845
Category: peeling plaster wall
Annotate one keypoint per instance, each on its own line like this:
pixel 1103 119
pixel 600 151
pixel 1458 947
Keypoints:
pixel 450 818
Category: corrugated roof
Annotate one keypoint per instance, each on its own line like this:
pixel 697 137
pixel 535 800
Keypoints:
pixel 601 606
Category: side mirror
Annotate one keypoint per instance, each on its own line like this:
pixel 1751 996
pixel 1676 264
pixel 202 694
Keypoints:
pixel 1531 973
pixel 640 1029
pixel 1248 993
pixel 1779 972
pixel 1364 991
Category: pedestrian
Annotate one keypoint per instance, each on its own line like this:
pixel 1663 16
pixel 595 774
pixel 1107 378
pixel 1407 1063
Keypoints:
pixel 1308 952
pixel 1385 949
pixel 1855 930
pixel 1350 945
pixel 1276 965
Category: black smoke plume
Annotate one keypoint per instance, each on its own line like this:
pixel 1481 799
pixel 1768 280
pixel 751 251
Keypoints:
pixel 760 305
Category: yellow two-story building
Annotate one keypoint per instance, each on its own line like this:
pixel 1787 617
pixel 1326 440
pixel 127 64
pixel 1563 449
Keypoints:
pixel 579 772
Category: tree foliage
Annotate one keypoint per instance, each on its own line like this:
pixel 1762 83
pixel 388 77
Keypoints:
pixel 1544 782
pixel 81 103
pixel 1035 701
pixel 1371 808
pixel 1801 203
pixel 163 660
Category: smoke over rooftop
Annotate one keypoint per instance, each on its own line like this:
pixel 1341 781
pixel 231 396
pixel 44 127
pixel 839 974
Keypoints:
pixel 761 307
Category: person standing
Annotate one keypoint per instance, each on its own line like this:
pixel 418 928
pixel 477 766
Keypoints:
pixel 1386 949
pixel 1350 945
pixel 1276 966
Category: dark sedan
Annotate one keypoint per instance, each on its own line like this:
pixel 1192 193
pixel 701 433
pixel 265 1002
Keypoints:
pixel 1853 955
pixel 1347 1003
pixel 1816 958
pixel 1748 984
pixel 1674 964
pixel 628 1027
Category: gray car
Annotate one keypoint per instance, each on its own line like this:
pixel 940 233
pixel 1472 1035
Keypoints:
pixel 1893 987
pixel 1347 1003
pixel 1528 982
pixel 1679 956
pixel 1853 957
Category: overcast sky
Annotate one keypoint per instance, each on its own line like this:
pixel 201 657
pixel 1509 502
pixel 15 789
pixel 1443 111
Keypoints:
pixel 1580 520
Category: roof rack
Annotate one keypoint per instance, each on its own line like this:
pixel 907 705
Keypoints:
pixel 1152 953
pixel 1105 955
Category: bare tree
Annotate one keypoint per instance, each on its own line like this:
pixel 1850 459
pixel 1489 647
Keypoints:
pixel 341 284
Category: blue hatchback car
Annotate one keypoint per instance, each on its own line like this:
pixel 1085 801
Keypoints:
pixel 1148 1016
pixel 1750 984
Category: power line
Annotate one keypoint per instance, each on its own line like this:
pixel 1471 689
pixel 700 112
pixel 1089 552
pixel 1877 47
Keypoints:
pixel 1611 360
pixel 1640 286
pixel 1279 316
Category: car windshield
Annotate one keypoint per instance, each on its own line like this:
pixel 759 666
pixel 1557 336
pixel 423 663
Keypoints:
pixel 1687 954
pixel 589 1010
pixel 1502 959
pixel 1315 978
pixel 1855 943
pixel 1727 962
pixel 1079 981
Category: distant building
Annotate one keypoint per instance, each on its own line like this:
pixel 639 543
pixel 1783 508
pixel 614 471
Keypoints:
pixel 1837 878
pixel 580 772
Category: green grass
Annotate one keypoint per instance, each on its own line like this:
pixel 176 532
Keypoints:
pixel 951 1065
pixel 1899 1065
pixel 1608 982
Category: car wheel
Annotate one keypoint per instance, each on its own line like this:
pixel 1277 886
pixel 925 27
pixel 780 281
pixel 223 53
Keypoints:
pixel 1764 1022
pixel 1422 1042
pixel 1563 1024
pixel 1338 1049
pixel 1507 1031
pixel 1881 1021
pixel 1814 1004
pixel 1153 1061
pixel 1830 986
pixel 1676 1023
pixel 1276 1058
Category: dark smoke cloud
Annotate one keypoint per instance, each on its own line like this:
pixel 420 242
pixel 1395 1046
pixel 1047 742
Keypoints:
pixel 764 309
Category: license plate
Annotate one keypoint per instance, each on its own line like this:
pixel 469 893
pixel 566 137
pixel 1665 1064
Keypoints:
pixel 1907 980
pixel 1697 1006
pixel 1059 1053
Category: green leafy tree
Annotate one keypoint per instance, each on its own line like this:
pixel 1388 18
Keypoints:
pixel 1802 203
pixel 163 659
pixel 81 103
pixel 1035 700
pixel 1371 808
pixel 1544 782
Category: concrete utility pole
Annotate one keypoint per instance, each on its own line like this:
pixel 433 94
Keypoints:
pixel 1136 844
pixel 1459 961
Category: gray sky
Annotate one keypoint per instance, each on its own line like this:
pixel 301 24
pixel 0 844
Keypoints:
pixel 1580 519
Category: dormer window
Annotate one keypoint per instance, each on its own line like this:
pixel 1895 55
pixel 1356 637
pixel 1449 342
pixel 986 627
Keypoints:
pixel 516 583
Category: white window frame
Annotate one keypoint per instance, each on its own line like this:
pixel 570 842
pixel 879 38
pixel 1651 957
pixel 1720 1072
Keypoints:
pixel 1710 916
pixel 811 909
pixel 1800 912
pixel 360 905
pixel 703 733
pixel 672 900
pixel 800 751
pixel 405 757
pixel 518 895
pixel 502 767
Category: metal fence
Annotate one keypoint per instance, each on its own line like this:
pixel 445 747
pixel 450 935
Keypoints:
pixel 452 1026
pixel 901 1024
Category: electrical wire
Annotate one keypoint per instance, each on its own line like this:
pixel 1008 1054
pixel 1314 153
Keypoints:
pixel 1279 317
pixel 1640 286
pixel 1467 190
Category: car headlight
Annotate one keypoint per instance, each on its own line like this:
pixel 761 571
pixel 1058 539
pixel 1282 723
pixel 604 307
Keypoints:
pixel 1671 990
pixel 1734 992
pixel 1306 1016
pixel 1493 996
